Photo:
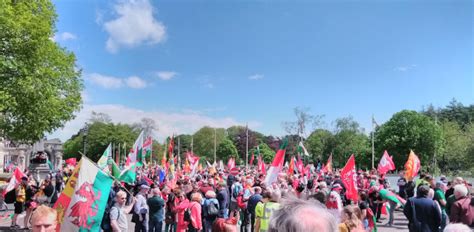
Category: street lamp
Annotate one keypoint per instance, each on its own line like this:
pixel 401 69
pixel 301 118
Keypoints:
pixel 84 132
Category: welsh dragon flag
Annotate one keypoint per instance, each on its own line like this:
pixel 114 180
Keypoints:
pixel 277 164
pixel 136 151
pixel 147 149
pixel 102 163
pixel 82 203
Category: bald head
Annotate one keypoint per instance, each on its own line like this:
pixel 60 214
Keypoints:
pixel 299 215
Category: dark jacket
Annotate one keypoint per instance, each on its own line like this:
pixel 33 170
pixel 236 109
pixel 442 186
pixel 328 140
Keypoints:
pixel 428 214
pixel 462 211
pixel 156 205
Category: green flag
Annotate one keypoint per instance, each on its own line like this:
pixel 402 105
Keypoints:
pixel 115 170
pixel 129 175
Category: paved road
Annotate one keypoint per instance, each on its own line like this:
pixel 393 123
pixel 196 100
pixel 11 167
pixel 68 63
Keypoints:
pixel 400 223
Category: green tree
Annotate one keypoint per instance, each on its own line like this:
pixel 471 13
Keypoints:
pixel 265 151
pixel 204 141
pixel 238 135
pixel 40 86
pixel 99 135
pixel 350 139
pixel 227 149
pixel 409 130
pixel 320 143
pixel 455 156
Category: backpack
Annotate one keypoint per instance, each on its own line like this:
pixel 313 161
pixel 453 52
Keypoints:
pixel 187 215
pixel 10 197
pixel 212 210
pixel 236 190
pixel 106 222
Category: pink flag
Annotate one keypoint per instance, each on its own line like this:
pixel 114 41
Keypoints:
pixel 386 164
pixel 231 163
pixel 348 177
pixel 15 180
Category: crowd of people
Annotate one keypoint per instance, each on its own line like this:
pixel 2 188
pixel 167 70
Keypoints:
pixel 216 200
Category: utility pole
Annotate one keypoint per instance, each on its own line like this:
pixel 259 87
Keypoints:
pixel 247 147
pixel 373 144
pixel 192 144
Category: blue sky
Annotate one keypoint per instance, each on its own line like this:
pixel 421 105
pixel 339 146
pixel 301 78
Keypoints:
pixel 187 64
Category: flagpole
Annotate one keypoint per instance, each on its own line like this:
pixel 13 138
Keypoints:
pixel 247 148
pixel 373 147
pixel 179 153
pixel 215 144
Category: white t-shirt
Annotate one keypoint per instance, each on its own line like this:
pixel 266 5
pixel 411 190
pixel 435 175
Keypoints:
pixel 121 217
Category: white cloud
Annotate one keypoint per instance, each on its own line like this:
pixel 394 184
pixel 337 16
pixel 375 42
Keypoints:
pixel 256 77
pixel 85 96
pixel 135 82
pixel 65 36
pixel 166 75
pixel 135 25
pixel 107 82
pixel 405 68
pixel 168 122
pixel 110 82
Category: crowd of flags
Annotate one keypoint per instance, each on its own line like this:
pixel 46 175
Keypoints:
pixel 93 181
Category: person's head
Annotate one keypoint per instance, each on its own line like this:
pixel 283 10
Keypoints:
pixel 460 190
pixel 24 180
pixel 258 190
pixel 430 193
pixel 458 180
pixel 423 190
pixel 121 197
pixel 363 196
pixel 197 197
pixel 156 192
pixel 457 227
pixel 319 196
pixel 350 216
pixel 44 219
pixel 144 188
pixel 401 173
pixel 299 215
pixel 337 188
pixel 275 195
pixel 210 194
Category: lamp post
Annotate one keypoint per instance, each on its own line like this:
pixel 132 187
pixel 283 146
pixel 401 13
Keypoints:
pixel 84 131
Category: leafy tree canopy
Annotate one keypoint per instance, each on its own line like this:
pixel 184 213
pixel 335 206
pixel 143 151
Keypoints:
pixel 40 86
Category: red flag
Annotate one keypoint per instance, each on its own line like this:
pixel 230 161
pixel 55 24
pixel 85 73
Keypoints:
pixel 261 165
pixel 412 166
pixel 386 164
pixel 71 161
pixel 251 159
pixel 348 177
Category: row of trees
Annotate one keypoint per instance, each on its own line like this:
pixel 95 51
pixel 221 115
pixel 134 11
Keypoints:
pixel 444 140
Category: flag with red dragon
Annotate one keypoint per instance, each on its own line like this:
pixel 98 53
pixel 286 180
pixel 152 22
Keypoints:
pixel 82 203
